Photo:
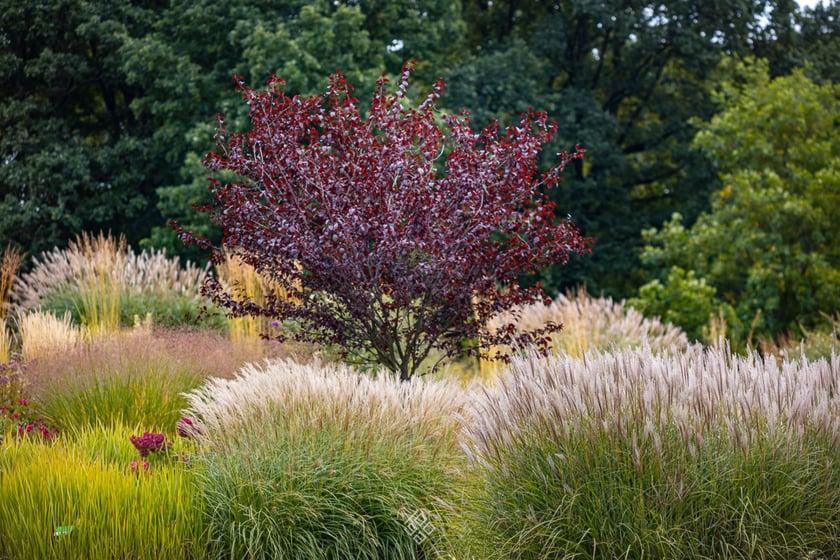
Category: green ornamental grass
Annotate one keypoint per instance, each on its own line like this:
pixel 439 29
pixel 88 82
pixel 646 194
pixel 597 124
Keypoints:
pixel 320 462
pixel 694 455
pixel 79 497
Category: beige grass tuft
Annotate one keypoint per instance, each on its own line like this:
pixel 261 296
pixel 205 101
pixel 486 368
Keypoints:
pixel 637 393
pixel 43 334
pixel 591 323
pixel 307 396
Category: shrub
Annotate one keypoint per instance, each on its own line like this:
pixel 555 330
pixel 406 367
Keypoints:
pixel 78 498
pixel 321 462
pixel 389 236
pixel 687 301
pixel 688 455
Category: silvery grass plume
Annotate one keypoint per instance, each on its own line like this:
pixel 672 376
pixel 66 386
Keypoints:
pixel 594 324
pixel 320 461
pixel 88 256
pixel 306 396
pixel 638 394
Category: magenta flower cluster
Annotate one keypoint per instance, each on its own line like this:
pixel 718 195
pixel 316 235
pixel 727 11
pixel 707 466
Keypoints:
pixel 150 442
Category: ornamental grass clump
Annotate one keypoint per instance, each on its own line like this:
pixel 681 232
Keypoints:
pixel 694 454
pixel 135 378
pixel 78 498
pixel 591 323
pixel 104 284
pixel 317 461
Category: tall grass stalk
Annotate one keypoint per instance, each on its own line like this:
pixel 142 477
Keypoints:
pixel 632 454
pixel 113 512
pixel 247 285
pixel 5 342
pixel 9 267
pixel 100 285
pixel 316 461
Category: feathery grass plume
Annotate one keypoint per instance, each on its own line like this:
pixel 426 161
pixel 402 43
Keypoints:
pixel 43 334
pixel 136 377
pixel 85 278
pixel 77 498
pixel 595 324
pixel 317 461
pixel 633 454
pixel 9 267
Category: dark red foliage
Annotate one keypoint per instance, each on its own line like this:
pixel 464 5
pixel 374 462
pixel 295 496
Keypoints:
pixel 396 234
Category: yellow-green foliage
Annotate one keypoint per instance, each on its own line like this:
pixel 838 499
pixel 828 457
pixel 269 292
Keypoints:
pixel 9 266
pixel 130 377
pixel 114 512
pixel 247 285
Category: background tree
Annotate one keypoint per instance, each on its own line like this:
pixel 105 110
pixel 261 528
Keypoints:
pixel 629 76
pixel 390 236
pixel 768 244
pixel 73 156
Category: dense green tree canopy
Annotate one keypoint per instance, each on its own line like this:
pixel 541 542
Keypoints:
pixel 627 77
pixel 106 109
pixel 768 244
pixel 73 155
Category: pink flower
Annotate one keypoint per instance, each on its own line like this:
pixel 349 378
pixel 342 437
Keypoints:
pixel 137 465
pixel 149 442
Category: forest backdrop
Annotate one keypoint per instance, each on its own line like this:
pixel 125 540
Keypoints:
pixel 722 112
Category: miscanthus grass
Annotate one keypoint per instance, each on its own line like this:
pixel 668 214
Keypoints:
pixel 317 461
pixel 589 323
pixel 634 454
pixel 79 498
pixel 104 285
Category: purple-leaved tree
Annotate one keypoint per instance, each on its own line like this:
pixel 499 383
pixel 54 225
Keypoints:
pixel 388 236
